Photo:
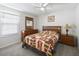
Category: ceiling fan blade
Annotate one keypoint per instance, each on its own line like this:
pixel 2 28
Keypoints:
pixel 45 4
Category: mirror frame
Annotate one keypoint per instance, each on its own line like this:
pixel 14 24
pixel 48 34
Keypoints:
pixel 29 19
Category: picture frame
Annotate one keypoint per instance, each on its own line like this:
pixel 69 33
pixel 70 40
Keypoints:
pixel 51 18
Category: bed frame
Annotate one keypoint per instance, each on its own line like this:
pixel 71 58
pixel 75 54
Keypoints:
pixel 52 28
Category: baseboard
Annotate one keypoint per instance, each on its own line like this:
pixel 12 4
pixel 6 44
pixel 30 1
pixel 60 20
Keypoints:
pixel 9 44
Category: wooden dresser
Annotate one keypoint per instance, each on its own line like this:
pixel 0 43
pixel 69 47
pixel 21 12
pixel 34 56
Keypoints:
pixel 68 40
pixel 28 32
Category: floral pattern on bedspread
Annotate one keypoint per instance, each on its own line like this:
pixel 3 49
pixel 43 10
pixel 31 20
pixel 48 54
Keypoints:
pixel 44 41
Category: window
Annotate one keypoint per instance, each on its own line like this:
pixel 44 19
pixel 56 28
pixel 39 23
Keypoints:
pixel 9 24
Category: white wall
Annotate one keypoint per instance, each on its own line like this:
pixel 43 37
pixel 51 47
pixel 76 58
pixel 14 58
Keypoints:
pixel 62 17
pixel 9 39
pixel 77 23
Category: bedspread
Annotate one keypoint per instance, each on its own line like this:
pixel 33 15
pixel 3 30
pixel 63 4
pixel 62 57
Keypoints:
pixel 43 41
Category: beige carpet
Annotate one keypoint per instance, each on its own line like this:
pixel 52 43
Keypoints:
pixel 17 50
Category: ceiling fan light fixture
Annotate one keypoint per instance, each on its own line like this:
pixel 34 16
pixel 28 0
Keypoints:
pixel 42 9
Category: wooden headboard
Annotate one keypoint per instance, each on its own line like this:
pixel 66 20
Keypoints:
pixel 52 28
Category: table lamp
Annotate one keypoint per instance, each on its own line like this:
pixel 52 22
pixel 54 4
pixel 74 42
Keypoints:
pixel 67 27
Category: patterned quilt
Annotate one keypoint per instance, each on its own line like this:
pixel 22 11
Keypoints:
pixel 44 41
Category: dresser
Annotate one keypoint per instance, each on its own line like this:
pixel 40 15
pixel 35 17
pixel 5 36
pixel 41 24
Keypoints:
pixel 68 40
pixel 28 32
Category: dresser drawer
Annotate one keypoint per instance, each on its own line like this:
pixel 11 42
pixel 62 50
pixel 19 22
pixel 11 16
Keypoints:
pixel 68 40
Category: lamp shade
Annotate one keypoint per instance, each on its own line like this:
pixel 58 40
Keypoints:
pixel 67 26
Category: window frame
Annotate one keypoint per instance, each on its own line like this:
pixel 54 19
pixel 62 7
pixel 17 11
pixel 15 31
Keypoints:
pixel 2 24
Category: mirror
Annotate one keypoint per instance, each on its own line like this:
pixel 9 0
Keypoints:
pixel 29 23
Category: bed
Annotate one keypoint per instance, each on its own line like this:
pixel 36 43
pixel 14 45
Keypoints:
pixel 43 42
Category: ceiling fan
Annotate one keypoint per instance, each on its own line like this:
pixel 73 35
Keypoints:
pixel 42 6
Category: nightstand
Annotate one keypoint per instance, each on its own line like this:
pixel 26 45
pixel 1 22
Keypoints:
pixel 68 40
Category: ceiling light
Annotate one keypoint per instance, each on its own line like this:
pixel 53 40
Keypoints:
pixel 42 8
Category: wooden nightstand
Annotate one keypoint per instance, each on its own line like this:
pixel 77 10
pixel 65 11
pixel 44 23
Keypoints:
pixel 68 40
